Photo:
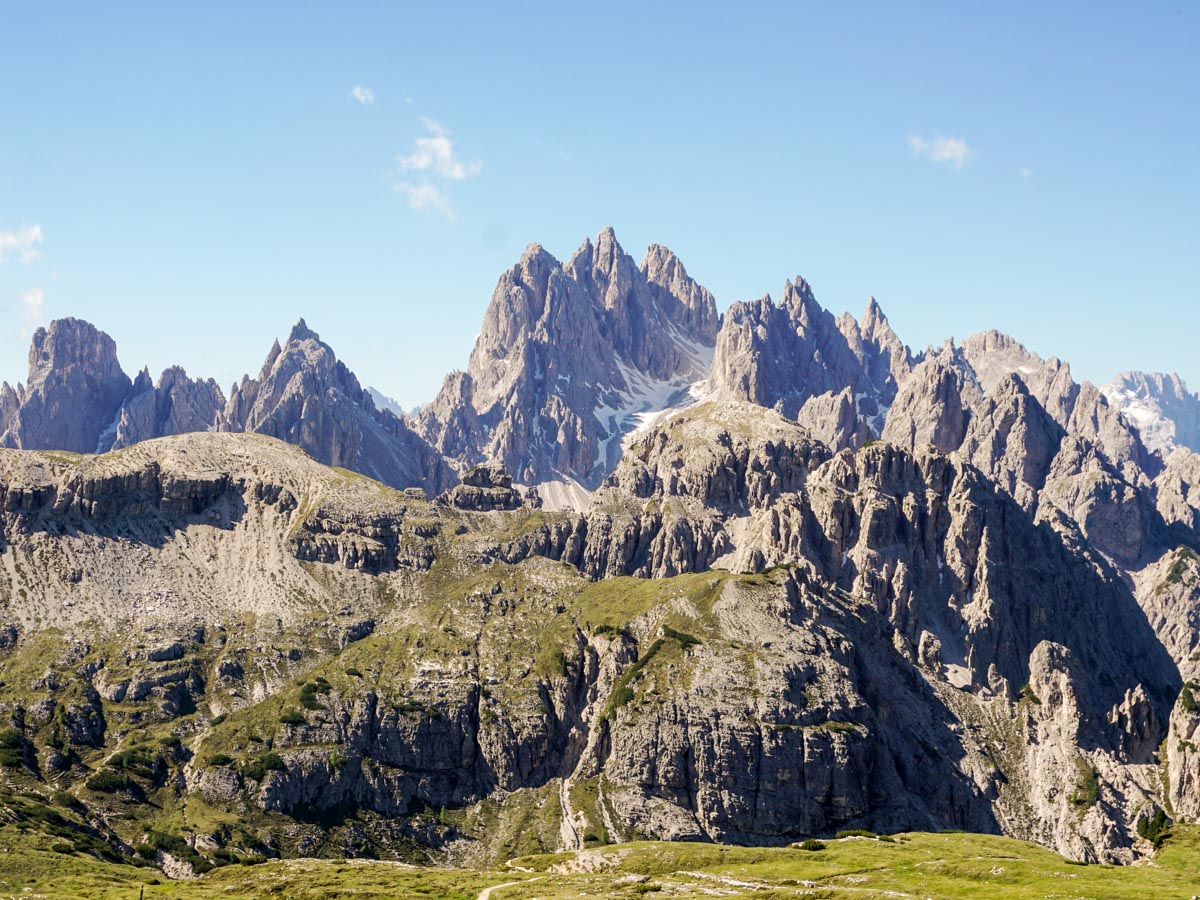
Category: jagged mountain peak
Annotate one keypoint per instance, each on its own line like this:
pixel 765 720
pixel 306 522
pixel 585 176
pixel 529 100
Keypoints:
pixel 305 395
pixel 568 358
pixel 71 342
pixel 874 323
pixel 535 255
pixel 785 355
pixel 798 293
pixel 301 332
pixel 144 381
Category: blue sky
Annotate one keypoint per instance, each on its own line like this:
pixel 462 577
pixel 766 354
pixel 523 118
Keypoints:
pixel 195 177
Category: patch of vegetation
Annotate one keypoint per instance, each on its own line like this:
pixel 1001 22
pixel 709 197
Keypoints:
pixel 140 760
pixel 220 759
pixel 108 782
pixel 1087 788
pixel 292 717
pixel 1156 829
pixel 1026 695
pixel 415 708
pixel 812 845
pixel 1187 698
pixel 179 848
pixel 13 748
pixel 309 691
pixel 622 692
pixel 613 603
pixel 947 866
pixel 257 769
pixel 685 640
pixel 1184 557
pixel 856 832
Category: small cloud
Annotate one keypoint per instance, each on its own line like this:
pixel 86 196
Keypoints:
pixel 435 163
pixel 953 151
pixel 1025 172
pixel 32 305
pixel 22 243
pixel 408 100
pixel 426 197
pixel 363 95
pixel 435 154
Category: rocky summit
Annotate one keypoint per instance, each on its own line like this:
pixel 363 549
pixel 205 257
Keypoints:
pixel 640 572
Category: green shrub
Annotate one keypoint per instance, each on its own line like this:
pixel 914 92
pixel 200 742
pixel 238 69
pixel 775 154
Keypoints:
pixel 12 748
pixel 292 717
pixel 138 760
pixel 354 673
pixel 623 692
pixel 685 640
pixel 855 832
pixel 65 800
pixel 812 845
pixel 621 695
pixel 108 782
pixel 558 664
pixel 1087 789
pixel 1179 564
pixel 1188 699
pixel 180 849
pixel 1155 829
pixel 268 762
pixel 62 847
pixel 308 697
pixel 220 759
pixel 218 719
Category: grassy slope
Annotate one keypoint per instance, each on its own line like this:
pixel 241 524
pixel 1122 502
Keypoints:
pixel 947 865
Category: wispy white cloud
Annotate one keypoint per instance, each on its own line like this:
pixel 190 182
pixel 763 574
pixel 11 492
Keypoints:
pixel 22 244
pixel 952 151
pixel 1025 171
pixel 435 154
pixel 434 163
pixel 363 95
pixel 426 197
pixel 33 304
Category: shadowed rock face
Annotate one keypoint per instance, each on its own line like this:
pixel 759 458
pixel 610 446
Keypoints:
pixel 176 405
pixel 75 388
pixel 568 355
pixel 783 356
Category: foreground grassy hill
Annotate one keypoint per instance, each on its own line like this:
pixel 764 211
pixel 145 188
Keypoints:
pixel 920 865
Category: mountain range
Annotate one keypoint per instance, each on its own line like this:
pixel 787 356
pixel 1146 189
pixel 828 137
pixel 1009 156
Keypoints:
pixel 642 569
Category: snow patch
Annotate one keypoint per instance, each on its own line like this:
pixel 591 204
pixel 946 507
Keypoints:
pixel 648 401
